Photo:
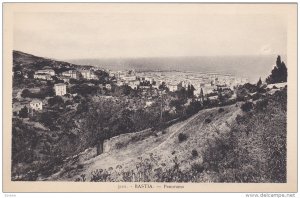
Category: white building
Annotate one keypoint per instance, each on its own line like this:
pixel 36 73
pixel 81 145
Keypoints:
pixel 87 74
pixel 172 87
pixel 108 86
pixel 60 89
pixel 42 76
pixel 51 72
pixel 36 105
pixel 71 73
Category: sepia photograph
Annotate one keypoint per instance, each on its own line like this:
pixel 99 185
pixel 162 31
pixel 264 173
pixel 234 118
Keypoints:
pixel 150 96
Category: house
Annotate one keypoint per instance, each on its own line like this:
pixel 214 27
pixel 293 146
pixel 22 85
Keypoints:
pixel 42 76
pixel 155 86
pixel 149 79
pixel 133 86
pixel 120 83
pixel 148 103
pixel 129 78
pixel 66 79
pixel 71 73
pixel 108 86
pixel 87 74
pixel 18 106
pixel 60 89
pixel 172 87
pixel 50 72
pixel 36 105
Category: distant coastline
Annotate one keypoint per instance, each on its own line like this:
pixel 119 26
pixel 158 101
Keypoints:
pixel 251 67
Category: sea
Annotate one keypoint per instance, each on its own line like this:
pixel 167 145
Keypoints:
pixel 250 67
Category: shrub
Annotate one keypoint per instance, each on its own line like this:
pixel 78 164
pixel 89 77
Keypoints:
pixel 80 166
pixel 246 107
pixel 119 145
pixel 207 120
pixel 221 110
pixel 261 105
pixel 182 137
pixel 194 153
pixel 23 112
pixel 56 100
pixel 199 168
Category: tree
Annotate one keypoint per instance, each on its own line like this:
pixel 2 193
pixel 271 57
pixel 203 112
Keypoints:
pixel 259 83
pixel 163 86
pixel 190 91
pixel 201 95
pixel 26 93
pixel 57 100
pixel 23 112
pixel 279 73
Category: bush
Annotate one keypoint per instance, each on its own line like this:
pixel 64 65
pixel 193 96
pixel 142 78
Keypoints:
pixel 23 112
pixel 199 168
pixel 56 100
pixel 221 110
pixel 261 105
pixel 80 166
pixel 182 137
pixel 194 153
pixel 119 145
pixel 246 107
pixel 207 120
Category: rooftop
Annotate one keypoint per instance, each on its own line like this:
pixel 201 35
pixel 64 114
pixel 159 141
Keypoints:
pixel 60 84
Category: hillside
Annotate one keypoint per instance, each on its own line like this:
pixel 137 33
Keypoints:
pixel 29 61
pixel 127 149
pixel 219 145
pixel 25 63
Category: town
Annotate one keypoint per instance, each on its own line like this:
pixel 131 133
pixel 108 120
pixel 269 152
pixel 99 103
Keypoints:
pixel 62 111
pixel 150 85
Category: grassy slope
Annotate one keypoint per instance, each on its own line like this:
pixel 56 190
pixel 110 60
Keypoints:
pixel 164 147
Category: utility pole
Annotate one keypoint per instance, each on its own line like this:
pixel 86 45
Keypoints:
pixel 161 106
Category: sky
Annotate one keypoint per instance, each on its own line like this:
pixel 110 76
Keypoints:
pixel 148 33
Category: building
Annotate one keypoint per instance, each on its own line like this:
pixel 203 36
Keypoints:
pixel 60 89
pixel 133 86
pixel 108 86
pixel 36 105
pixel 42 76
pixel 71 74
pixel 51 72
pixel 172 87
pixel 18 106
pixel 87 74
pixel 66 79
pixel 128 78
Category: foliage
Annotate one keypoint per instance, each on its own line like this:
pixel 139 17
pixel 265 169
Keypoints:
pixel 194 107
pixel 279 73
pixel 83 89
pixel 56 100
pixel 259 83
pixel 247 106
pixel 182 137
pixel 207 120
pixel 221 110
pixel 23 112
pixel 146 170
pixel 255 148
pixel 44 92
pixel 194 153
